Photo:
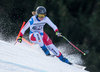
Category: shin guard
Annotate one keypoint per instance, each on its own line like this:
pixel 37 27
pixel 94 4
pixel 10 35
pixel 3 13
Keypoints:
pixel 46 51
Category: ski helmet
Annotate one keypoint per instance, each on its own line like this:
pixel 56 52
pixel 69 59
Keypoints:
pixel 40 10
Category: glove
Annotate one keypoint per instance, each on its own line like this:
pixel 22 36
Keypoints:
pixel 20 39
pixel 58 34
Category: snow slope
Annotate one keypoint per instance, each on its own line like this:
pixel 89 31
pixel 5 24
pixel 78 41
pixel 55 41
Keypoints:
pixel 24 58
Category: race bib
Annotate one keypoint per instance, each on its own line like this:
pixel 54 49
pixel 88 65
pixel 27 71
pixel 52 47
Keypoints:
pixel 37 27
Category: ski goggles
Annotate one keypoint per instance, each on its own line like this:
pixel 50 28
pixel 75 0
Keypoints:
pixel 41 15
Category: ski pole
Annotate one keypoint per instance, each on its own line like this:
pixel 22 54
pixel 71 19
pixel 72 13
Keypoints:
pixel 19 32
pixel 73 45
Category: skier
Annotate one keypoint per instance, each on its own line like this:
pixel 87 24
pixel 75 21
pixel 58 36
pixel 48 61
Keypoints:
pixel 37 34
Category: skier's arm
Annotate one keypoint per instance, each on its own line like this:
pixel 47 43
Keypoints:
pixel 23 31
pixel 51 24
pixel 27 25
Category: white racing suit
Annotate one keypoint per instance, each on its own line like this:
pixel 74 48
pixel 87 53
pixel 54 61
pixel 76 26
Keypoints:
pixel 37 35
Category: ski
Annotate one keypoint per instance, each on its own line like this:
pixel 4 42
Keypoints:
pixel 79 66
pixel 52 55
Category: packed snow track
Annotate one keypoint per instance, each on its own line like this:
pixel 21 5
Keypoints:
pixel 25 58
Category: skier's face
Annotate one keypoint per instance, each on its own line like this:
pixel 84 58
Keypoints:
pixel 41 16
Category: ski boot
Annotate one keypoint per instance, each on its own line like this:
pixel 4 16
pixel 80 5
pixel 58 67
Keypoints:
pixel 64 59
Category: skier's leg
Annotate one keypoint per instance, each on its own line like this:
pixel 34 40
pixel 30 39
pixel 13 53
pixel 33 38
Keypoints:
pixel 37 38
pixel 53 49
pixel 56 52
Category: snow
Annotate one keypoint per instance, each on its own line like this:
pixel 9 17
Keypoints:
pixel 25 58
